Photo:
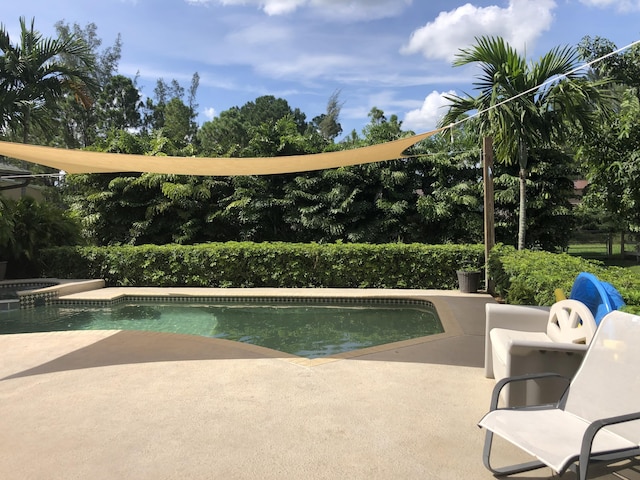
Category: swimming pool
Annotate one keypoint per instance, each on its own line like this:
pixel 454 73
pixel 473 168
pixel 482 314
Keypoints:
pixel 300 328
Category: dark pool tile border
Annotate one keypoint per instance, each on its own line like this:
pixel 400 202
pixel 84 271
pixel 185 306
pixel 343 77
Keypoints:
pixel 38 299
pixel 28 284
pixel 30 294
pixel 245 299
pixel 33 297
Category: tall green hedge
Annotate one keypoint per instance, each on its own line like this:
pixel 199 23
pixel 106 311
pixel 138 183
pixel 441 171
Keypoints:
pixel 530 277
pixel 246 264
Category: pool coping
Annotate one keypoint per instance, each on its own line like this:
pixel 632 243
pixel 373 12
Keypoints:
pixel 436 298
pixel 70 292
pixel 50 289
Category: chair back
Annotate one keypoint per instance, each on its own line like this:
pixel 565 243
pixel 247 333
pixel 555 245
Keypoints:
pixel 607 383
pixel 571 321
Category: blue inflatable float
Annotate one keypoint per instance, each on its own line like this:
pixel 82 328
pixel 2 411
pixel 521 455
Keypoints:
pixel 600 297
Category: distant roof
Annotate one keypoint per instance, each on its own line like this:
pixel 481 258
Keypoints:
pixel 580 184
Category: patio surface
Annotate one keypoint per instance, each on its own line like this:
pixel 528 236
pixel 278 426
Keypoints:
pixel 141 405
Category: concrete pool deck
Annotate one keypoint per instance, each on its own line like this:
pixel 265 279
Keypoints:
pixel 143 405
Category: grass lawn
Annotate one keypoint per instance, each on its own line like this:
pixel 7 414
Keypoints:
pixel 598 251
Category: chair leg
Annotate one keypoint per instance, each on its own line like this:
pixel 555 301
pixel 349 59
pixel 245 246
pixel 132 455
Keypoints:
pixel 583 471
pixel 508 470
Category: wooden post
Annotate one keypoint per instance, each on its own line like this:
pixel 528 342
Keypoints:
pixel 489 220
pixel 610 245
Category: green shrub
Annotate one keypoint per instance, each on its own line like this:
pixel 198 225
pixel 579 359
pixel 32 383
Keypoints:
pixel 247 264
pixel 528 277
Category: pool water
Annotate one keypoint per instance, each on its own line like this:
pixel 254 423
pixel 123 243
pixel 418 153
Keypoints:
pixel 307 330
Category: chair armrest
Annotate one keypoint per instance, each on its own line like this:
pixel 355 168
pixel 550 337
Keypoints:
pixel 595 427
pixel 523 347
pixel 497 389
pixel 527 318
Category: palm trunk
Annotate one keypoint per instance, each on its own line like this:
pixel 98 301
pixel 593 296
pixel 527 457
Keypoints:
pixel 522 217
pixel 523 159
pixel 25 125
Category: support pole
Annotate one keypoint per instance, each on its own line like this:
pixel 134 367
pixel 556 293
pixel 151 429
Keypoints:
pixel 489 220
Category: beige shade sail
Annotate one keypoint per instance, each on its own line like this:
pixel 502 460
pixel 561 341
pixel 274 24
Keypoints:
pixel 80 161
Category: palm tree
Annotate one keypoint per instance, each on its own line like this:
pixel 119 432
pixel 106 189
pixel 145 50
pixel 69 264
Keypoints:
pixel 525 105
pixel 34 76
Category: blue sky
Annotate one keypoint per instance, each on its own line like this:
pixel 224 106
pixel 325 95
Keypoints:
pixel 392 54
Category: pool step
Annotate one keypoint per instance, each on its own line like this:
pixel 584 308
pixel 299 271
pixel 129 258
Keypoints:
pixel 9 304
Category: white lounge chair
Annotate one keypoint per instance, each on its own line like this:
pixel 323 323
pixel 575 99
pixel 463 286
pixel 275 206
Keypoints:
pixel 595 420
pixel 526 318
pixel 530 345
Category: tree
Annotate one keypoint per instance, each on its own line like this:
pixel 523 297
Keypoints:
pixel 179 124
pixel 106 61
pixel 260 203
pixel 327 124
pixel 170 114
pixel 362 203
pixel 380 130
pixel 522 105
pixel 148 208
pixel 6 227
pixel 550 217
pixel 612 163
pixel 225 135
pixel 449 185
pixel 118 105
pixel 80 124
pixel 610 157
pixel 622 68
pixel 245 131
pixel 269 109
pixel 335 205
pixel 277 139
pixel 34 77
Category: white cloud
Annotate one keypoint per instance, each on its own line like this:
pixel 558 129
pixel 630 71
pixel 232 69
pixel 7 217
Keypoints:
pixel 281 7
pixel 346 10
pixel 420 115
pixel 389 102
pixel 354 10
pixel 620 5
pixel 520 23
pixel 209 113
pixel 426 117
pixel 308 66
pixel 260 35
pixel 266 5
